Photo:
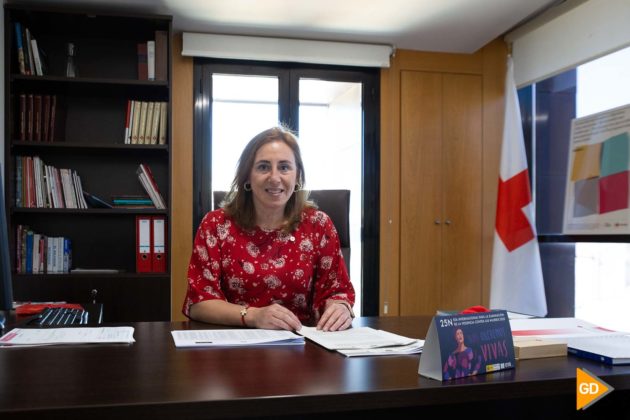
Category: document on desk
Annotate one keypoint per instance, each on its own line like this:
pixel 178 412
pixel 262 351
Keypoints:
pixel 234 337
pixel 81 335
pixel 363 341
pixel 558 329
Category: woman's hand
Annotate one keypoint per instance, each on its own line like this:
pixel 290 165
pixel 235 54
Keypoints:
pixel 336 317
pixel 273 317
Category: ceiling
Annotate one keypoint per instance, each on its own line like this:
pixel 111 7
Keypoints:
pixel 461 26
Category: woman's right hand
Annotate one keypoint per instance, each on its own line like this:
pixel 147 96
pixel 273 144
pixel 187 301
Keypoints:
pixel 273 317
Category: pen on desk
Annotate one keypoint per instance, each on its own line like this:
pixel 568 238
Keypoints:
pixel 203 342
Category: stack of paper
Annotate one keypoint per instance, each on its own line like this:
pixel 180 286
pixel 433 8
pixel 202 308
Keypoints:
pixel 583 339
pixel 534 348
pixel 363 341
pixel 234 337
pixel 80 335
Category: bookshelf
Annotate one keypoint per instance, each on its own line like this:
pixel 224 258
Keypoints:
pixel 90 139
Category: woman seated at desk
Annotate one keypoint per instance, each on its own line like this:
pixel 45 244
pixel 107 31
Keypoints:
pixel 269 258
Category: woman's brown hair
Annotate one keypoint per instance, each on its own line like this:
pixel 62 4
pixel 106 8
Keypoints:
pixel 239 203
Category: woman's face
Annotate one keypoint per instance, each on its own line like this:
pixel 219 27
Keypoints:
pixel 459 336
pixel 273 176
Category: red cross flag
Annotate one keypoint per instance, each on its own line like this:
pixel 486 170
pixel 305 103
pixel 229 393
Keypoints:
pixel 517 282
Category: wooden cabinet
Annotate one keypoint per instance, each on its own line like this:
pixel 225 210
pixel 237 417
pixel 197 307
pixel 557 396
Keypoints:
pixel 441 128
pixel 441 148
pixel 94 105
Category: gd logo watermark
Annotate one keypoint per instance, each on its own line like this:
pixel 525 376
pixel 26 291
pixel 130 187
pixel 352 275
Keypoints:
pixel 590 389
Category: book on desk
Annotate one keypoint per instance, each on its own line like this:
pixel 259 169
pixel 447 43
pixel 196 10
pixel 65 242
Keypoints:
pixel 608 349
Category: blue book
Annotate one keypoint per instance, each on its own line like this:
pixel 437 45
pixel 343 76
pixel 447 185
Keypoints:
pixel 67 255
pixel 20 47
pixel 96 202
pixel 29 252
pixel 612 349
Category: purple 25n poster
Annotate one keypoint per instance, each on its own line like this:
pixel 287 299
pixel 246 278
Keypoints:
pixel 468 344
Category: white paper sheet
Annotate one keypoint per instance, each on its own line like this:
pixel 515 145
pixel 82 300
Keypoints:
pixel 80 335
pixel 559 329
pixel 413 348
pixel 234 337
pixel 355 338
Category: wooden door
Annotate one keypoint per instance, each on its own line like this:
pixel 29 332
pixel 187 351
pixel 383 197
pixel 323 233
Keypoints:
pixel 462 227
pixel 421 192
pixel 441 191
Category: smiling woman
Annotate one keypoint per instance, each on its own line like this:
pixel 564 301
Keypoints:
pixel 269 258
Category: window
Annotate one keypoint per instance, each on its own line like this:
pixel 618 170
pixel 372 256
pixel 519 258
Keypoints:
pixel 335 113
pixel 595 284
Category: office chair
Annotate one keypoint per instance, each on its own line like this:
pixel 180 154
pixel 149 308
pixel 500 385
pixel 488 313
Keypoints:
pixel 335 203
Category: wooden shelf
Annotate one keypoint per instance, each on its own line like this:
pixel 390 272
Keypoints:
pixel 27 210
pixel 88 81
pixel 90 113
pixel 123 275
pixel 75 146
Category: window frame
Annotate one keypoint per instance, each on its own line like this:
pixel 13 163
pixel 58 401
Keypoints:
pixel 289 75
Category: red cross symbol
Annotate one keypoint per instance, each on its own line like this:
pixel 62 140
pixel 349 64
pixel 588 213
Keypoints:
pixel 512 225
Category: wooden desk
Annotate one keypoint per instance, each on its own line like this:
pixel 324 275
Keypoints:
pixel 153 379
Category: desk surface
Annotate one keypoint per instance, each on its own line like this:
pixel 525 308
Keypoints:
pixel 153 378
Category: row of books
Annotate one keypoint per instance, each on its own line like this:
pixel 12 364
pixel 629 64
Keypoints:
pixel 150 186
pixel 40 118
pixel 41 254
pixel 44 186
pixel 153 57
pixel 38 185
pixel 30 57
pixel 145 122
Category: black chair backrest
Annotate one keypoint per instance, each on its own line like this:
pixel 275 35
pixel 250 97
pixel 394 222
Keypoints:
pixel 335 203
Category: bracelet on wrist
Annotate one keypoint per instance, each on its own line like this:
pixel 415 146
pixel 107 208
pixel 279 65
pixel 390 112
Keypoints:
pixel 244 314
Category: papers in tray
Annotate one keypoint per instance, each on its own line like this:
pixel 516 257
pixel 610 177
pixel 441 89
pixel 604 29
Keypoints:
pixel 80 335
pixel 234 337
pixel 363 341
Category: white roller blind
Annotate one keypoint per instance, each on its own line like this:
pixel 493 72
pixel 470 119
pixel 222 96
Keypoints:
pixel 285 50
pixel 575 32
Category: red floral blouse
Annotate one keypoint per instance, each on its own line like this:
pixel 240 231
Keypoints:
pixel 299 270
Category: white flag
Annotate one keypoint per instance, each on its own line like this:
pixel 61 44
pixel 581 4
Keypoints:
pixel 517 283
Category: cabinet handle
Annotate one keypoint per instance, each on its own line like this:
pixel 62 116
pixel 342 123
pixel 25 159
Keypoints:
pixel 437 221
pixel 447 222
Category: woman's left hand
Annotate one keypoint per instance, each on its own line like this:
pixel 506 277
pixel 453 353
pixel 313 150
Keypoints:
pixel 336 317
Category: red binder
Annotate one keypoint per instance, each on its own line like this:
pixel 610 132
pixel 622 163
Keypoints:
pixel 158 244
pixel 143 244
